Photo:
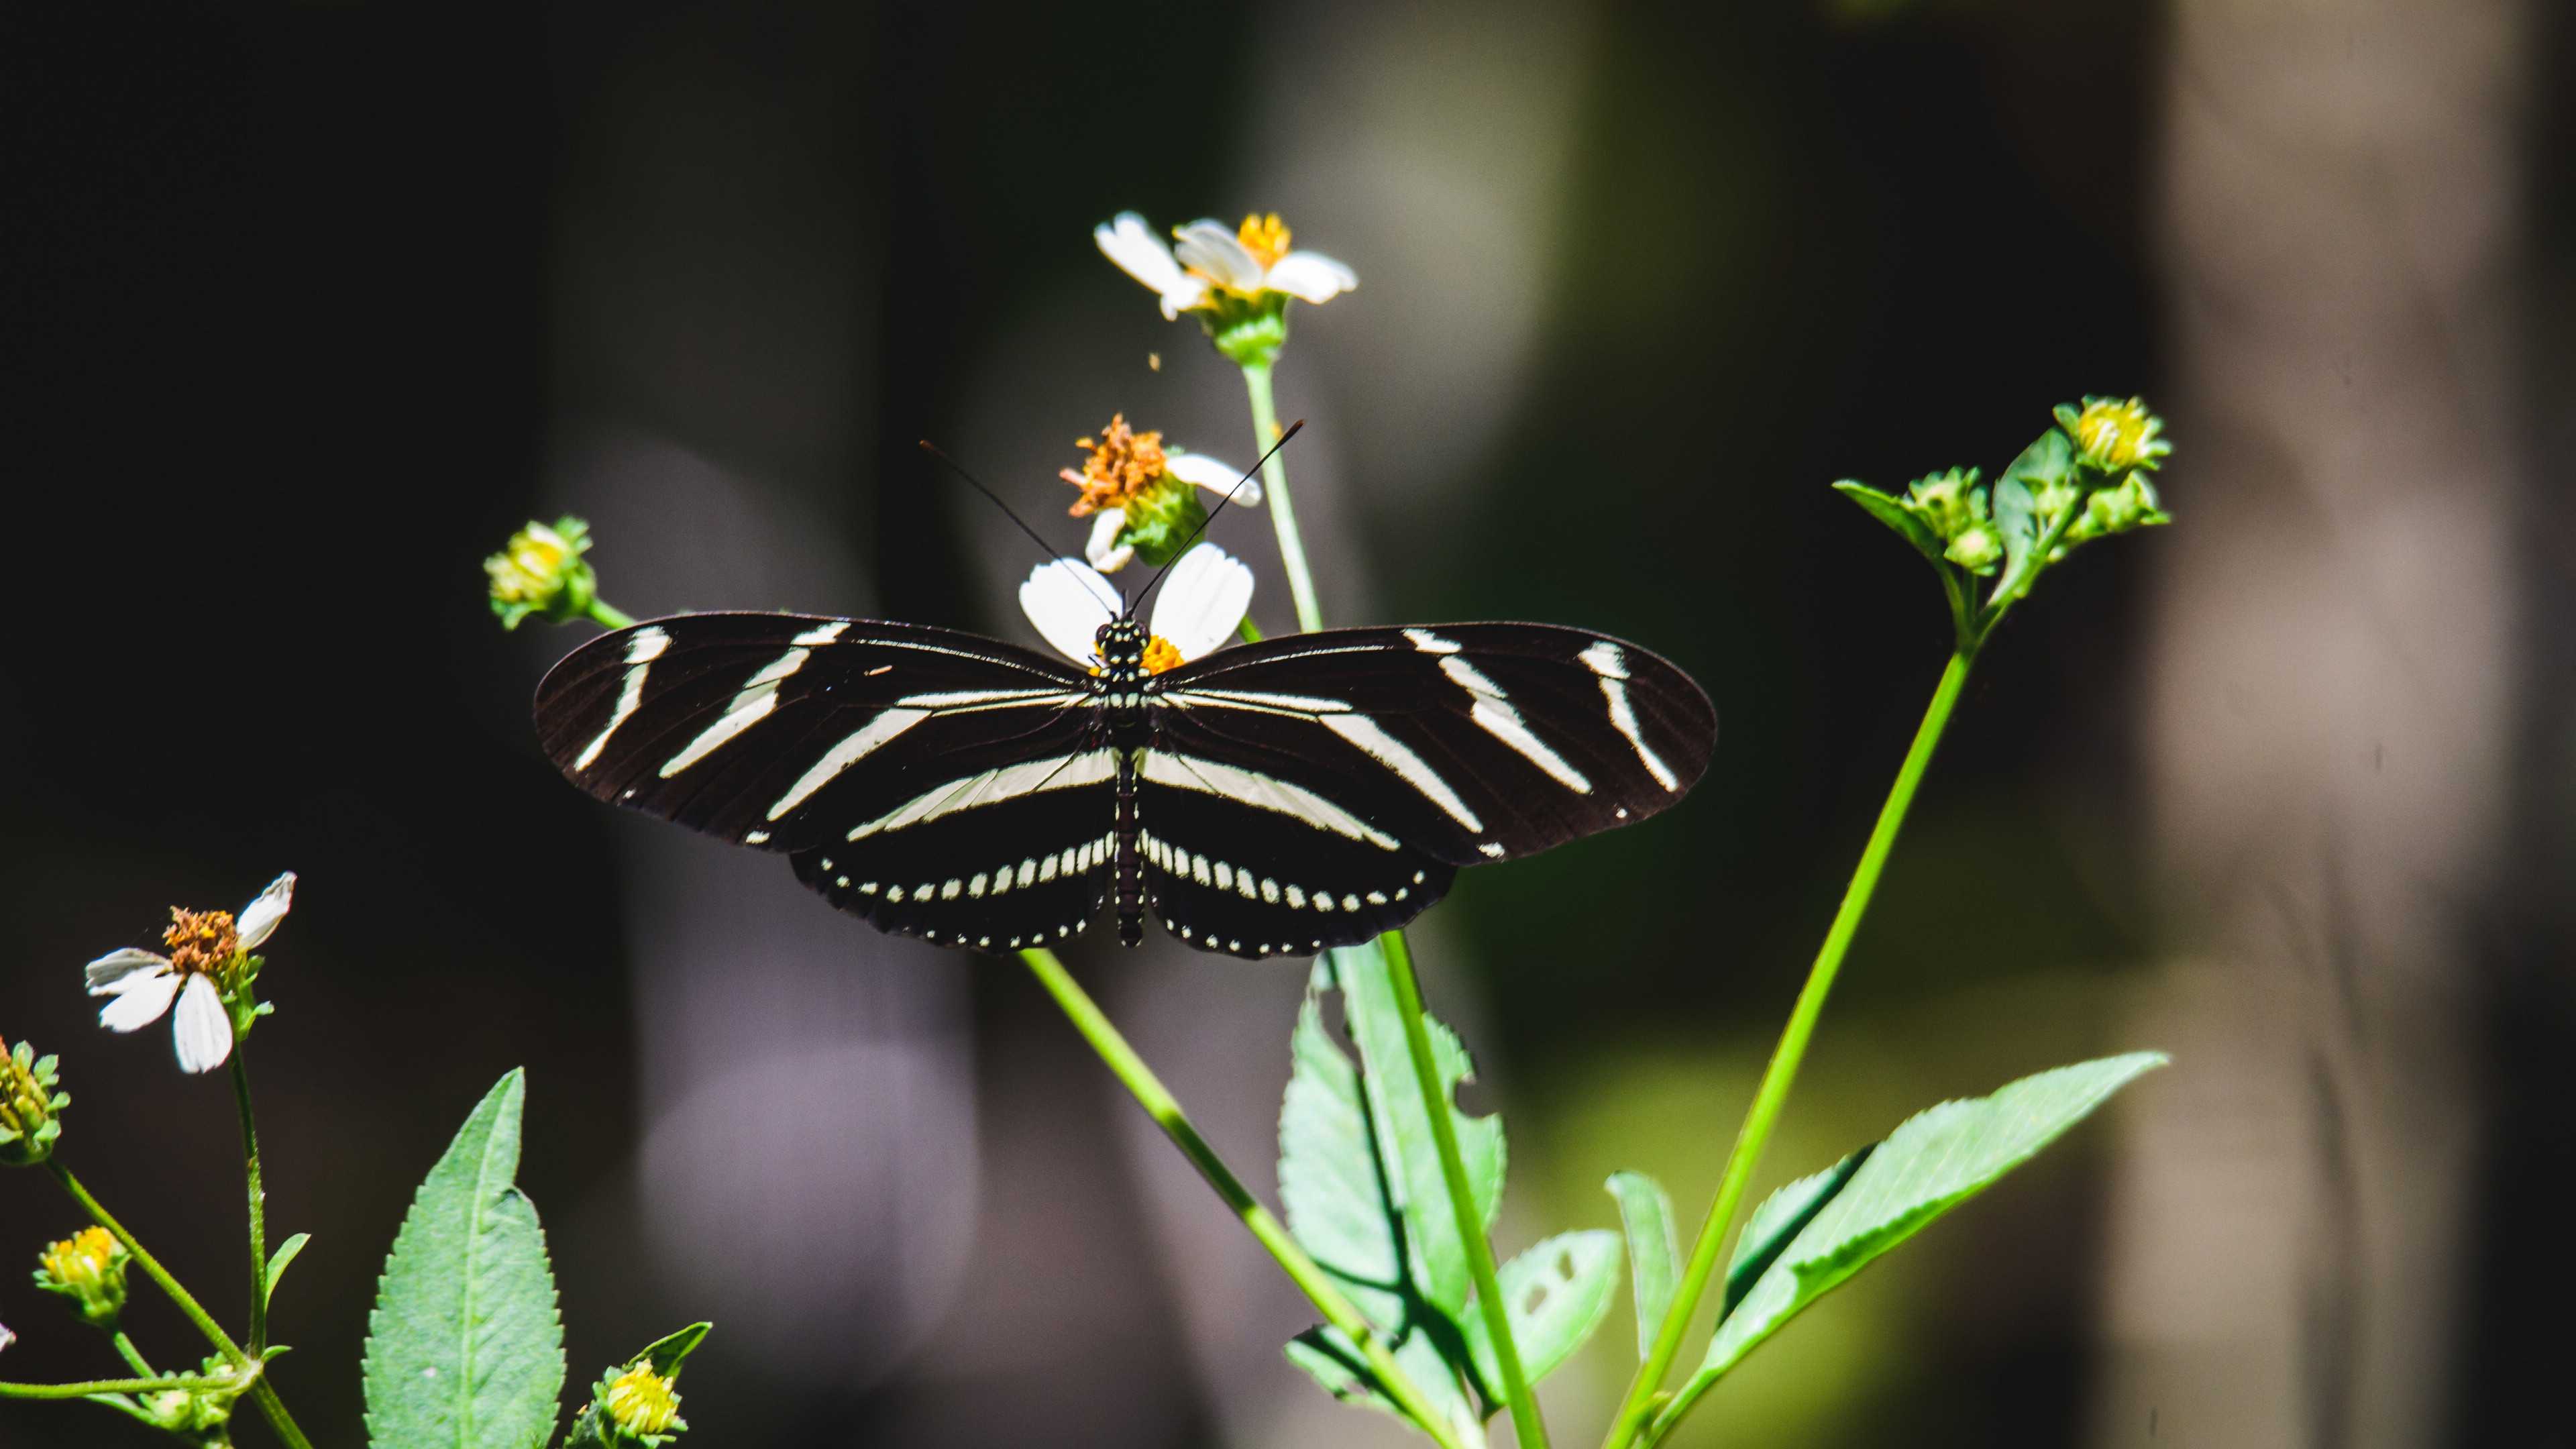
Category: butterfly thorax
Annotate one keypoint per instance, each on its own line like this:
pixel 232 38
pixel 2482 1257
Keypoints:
pixel 1120 681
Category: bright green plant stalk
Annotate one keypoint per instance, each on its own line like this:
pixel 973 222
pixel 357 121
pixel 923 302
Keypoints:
pixel 1304 1271
pixel 258 1202
pixel 1645 1394
pixel 1283 513
pixel 133 1356
pixel 607 615
pixel 107 1386
pixel 269 1404
pixel 1527 1424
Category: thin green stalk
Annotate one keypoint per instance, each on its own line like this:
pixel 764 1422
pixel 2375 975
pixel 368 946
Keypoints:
pixel 1283 512
pixel 133 1356
pixel 278 1418
pixel 1304 1271
pixel 258 1202
pixel 608 615
pixel 1645 1394
pixel 1527 1425
pixel 108 1386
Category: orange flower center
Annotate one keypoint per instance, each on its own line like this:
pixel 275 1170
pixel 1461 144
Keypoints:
pixel 1121 465
pixel 201 941
pixel 1160 655
pixel 1266 237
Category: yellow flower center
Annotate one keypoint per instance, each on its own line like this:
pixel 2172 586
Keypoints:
pixel 82 1260
pixel 642 1401
pixel 530 567
pixel 1160 655
pixel 1266 237
pixel 2113 434
pixel 1121 465
pixel 201 941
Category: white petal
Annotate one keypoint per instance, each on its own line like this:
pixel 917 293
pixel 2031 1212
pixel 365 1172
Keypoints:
pixel 1216 476
pixel 1203 600
pixel 115 966
pixel 261 916
pixel 1069 601
pixel 140 1000
pixel 202 1030
pixel 1310 276
pixel 1140 254
pixel 1104 550
pixel 1211 247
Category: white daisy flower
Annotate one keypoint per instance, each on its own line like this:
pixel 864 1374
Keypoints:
pixel 1246 261
pixel 208 951
pixel 1199 608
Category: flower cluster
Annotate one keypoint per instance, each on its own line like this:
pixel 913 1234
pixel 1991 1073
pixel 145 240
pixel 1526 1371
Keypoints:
pixel 1142 496
pixel 541 571
pixel 89 1269
pixel 208 973
pixel 1238 281
pixel 30 1108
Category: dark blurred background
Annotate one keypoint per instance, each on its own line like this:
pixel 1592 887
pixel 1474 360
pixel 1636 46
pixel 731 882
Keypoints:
pixel 314 303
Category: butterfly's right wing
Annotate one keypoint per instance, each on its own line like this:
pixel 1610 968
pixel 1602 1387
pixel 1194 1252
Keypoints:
pixel 930 782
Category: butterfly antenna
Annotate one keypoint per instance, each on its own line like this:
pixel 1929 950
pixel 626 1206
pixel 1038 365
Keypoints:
pixel 1213 512
pixel 977 484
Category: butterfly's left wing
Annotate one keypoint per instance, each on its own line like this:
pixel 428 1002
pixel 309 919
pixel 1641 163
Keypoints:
pixel 930 782
pixel 1337 780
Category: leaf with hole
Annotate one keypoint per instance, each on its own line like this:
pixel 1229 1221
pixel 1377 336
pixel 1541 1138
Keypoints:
pixel 1555 1295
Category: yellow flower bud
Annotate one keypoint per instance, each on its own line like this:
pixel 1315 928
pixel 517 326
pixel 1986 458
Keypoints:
pixel 89 1268
pixel 29 1107
pixel 540 571
pixel 640 1401
pixel 2116 436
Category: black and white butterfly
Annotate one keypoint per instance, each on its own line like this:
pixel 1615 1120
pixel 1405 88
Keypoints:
pixel 1268 799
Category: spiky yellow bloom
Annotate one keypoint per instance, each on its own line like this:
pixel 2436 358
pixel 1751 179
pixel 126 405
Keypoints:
pixel 89 1268
pixel 641 1401
pixel 2116 436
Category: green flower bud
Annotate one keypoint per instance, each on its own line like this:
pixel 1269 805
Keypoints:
pixel 1954 506
pixel 29 1107
pixel 638 1403
pixel 2112 436
pixel 2130 503
pixel 541 571
pixel 88 1268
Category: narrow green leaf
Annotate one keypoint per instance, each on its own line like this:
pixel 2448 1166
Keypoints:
pixel 1556 1294
pixel 1782 1216
pixel 1928 1166
pixel 464 1350
pixel 1403 1129
pixel 277 1262
pixel 1333 1361
pixel 2040 472
pixel 1893 512
pixel 666 1354
pixel 1654 1262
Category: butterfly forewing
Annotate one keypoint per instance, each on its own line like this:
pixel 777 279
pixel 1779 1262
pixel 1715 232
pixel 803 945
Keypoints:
pixel 1471 742
pixel 782 731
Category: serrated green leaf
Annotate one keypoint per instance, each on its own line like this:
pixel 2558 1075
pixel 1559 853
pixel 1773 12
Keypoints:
pixel 1331 1185
pixel 1654 1261
pixel 464 1350
pixel 1931 1164
pixel 1893 512
pixel 1779 1220
pixel 1330 1358
pixel 277 1262
pixel 1556 1295
pixel 1403 1130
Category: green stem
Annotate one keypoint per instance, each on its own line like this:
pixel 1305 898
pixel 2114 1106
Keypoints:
pixel 1645 1394
pixel 1283 512
pixel 258 1201
pixel 1250 631
pixel 133 1356
pixel 278 1418
pixel 1527 1425
pixel 1304 1271
pixel 108 1386
pixel 608 615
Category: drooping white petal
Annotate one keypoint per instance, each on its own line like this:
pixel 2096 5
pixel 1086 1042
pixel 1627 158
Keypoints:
pixel 140 1000
pixel 1216 476
pixel 1310 277
pixel 261 916
pixel 1142 255
pixel 1212 248
pixel 115 966
pixel 1104 550
pixel 1203 600
pixel 1069 601
pixel 201 1030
